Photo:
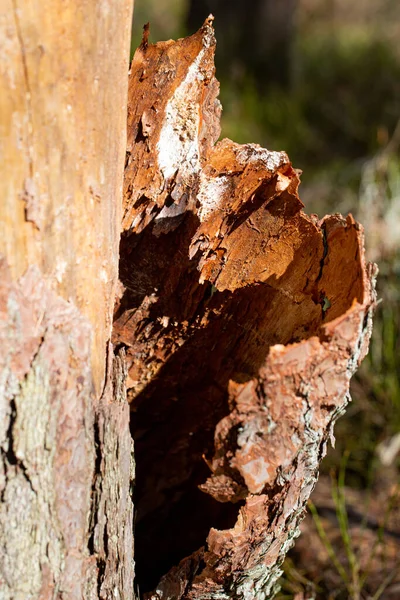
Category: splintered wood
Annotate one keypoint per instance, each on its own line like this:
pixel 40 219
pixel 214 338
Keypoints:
pixel 243 320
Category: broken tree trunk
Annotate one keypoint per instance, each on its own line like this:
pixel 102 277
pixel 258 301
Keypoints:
pixel 243 320
pixel 65 445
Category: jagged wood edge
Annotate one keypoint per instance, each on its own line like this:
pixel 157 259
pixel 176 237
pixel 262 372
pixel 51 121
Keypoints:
pixel 214 572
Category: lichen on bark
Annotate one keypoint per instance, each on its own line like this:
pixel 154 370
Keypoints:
pixel 66 462
pixel 47 457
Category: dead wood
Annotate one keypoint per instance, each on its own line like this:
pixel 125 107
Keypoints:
pixel 243 320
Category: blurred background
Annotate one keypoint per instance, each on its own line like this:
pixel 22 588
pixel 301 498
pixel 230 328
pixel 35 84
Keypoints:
pixel 320 79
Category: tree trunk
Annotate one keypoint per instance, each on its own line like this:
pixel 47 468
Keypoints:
pixel 243 320
pixel 65 466
pixel 238 323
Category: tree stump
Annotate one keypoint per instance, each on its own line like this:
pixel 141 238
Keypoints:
pixel 238 323
pixel 243 320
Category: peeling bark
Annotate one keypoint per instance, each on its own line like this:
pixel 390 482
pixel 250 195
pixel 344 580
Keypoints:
pixel 242 320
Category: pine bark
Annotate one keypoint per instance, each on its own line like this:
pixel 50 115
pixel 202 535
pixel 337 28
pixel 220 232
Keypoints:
pixel 65 448
pixel 238 323
pixel 242 320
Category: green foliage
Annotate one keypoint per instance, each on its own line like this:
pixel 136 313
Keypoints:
pixel 166 19
pixel 344 88
pixel 350 86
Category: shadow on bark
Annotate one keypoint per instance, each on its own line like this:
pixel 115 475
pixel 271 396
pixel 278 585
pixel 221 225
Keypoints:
pixel 221 336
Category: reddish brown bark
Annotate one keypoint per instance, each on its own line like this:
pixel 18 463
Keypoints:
pixel 240 317
pixel 243 320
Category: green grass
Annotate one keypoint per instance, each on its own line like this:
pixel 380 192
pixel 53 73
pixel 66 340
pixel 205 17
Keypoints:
pixel 346 559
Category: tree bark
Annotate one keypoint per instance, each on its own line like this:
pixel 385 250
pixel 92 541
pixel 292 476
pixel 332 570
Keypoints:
pixel 243 320
pixel 238 323
pixel 65 463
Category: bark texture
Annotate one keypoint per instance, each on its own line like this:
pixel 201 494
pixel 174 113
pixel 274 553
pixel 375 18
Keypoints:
pixel 65 447
pixel 243 320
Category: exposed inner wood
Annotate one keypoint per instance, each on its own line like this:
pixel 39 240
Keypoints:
pixel 222 274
